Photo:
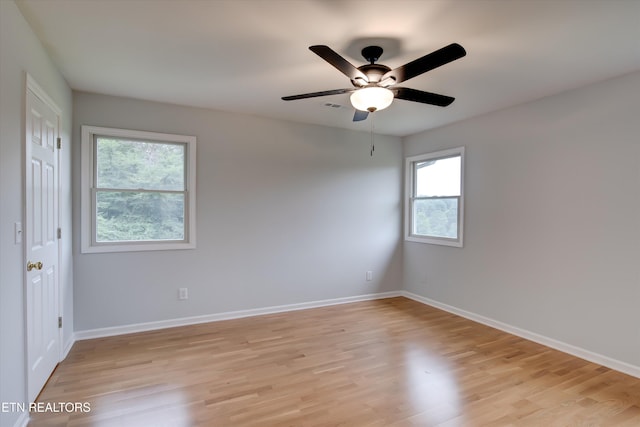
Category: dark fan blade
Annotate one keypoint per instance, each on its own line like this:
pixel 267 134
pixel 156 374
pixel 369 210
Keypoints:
pixel 314 94
pixel 333 58
pixel 360 116
pixel 426 63
pixel 424 97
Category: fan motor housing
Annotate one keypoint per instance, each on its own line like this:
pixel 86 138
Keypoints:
pixel 374 73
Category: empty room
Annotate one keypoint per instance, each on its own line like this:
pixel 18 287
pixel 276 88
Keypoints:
pixel 319 213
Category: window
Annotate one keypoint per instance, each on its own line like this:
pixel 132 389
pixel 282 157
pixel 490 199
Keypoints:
pixel 435 197
pixel 138 190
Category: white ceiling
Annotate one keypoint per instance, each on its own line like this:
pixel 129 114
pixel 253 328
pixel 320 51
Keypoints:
pixel 243 55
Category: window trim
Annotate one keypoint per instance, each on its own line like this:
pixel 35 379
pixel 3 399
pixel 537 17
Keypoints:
pixel 410 191
pixel 87 212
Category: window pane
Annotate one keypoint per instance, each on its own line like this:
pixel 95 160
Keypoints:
pixel 127 164
pixel 437 178
pixel 436 217
pixel 130 216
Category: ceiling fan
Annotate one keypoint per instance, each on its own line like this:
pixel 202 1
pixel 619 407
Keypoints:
pixel 373 84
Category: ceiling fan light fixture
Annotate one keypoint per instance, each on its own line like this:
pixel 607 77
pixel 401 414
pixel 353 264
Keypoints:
pixel 371 81
pixel 373 98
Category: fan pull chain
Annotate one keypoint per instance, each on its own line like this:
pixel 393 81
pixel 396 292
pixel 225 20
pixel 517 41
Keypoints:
pixel 373 147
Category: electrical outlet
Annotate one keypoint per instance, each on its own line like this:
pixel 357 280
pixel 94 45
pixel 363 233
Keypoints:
pixel 183 294
pixel 369 275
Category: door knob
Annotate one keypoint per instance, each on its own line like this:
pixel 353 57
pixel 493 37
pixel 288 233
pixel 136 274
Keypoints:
pixel 32 265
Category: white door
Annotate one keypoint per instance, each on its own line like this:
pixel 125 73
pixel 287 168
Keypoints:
pixel 41 240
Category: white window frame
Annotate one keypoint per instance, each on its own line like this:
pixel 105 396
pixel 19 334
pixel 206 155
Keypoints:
pixel 410 177
pixel 87 214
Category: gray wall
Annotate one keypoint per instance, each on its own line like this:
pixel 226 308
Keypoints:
pixel 286 213
pixel 20 52
pixel 552 232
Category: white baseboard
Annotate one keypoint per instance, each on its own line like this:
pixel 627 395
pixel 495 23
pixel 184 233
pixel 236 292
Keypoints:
pixel 68 345
pixel 22 421
pixel 532 336
pixel 162 324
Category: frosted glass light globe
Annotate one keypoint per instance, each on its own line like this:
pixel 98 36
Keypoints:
pixel 371 99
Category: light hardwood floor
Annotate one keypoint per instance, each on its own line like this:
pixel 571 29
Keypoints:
pixel 391 362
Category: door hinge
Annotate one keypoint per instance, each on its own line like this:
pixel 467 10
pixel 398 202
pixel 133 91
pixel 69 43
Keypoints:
pixel 59 233
pixel 59 143
pixel 60 322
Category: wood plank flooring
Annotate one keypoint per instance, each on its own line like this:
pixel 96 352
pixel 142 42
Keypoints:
pixel 391 362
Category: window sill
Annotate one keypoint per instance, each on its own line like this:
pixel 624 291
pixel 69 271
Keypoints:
pixel 137 247
pixel 442 241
